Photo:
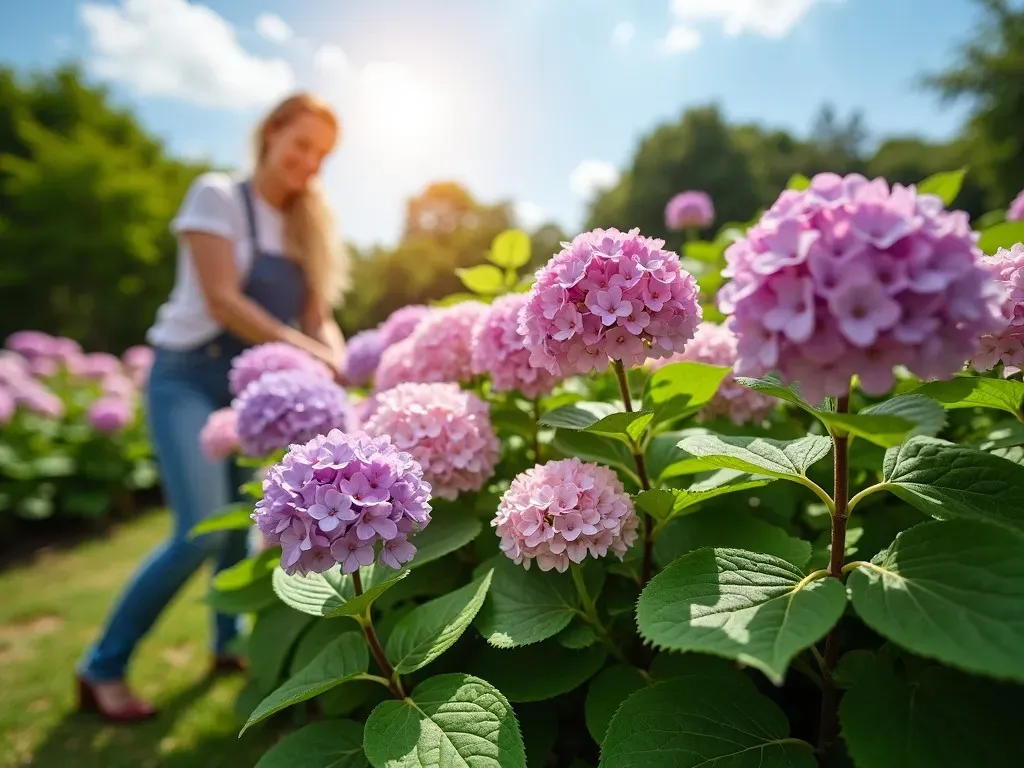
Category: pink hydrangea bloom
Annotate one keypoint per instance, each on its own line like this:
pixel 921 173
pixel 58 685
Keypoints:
pixel 448 431
pixel 138 360
pixel 343 498
pixel 440 349
pixel 273 356
pixel 689 210
pixel 94 365
pixel 8 406
pixel 852 277
pixel 110 415
pixel 219 436
pixel 1007 345
pixel 715 345
pixel 1016 209
pixel 118 385
pixel 498 350
pixel 401 323
pixel 608 294
pixel 557 513
pixel 24 389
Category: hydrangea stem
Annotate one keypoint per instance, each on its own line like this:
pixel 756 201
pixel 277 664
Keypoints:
pixel 829 723
pixel 536 430
pixel 641 470
pixel 394 681
pixel 591 615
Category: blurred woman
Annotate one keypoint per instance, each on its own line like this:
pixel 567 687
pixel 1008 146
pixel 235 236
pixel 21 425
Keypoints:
pixel 258 260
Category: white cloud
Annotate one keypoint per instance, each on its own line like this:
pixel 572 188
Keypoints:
pixel 273 28
pixel 623 33
pixel 529 215
pixel 330 61
pixel 592 176
pixel 768 18
pixel 181 50
pixel 681 39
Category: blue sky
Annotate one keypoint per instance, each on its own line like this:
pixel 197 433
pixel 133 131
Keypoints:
pixel 538 101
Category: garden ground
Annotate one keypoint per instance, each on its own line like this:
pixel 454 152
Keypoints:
pixel 50 610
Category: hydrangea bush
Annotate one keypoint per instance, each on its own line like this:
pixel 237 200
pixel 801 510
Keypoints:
pixel 794 538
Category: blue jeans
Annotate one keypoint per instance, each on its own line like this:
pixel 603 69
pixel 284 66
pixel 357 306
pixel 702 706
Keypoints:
pixel 184 389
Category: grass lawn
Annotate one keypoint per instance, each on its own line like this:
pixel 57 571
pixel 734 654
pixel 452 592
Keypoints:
pixel 50 610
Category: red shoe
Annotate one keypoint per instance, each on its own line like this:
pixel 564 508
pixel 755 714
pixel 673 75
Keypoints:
pixel 135 710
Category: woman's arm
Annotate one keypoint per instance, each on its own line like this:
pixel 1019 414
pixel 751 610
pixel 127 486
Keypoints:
pixel 319 322
pixel 218 276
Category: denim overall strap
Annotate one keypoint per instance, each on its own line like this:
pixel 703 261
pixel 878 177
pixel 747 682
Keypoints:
pixel 275 282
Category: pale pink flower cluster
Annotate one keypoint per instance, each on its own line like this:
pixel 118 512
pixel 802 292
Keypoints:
pixel 447 430
pixel 852 278
pixel 1007 346
pixel 440 349
pixel 1016 210
pixel 608 294
pixel 219 436
pixel 499 352
pixel 715 345
pixel 558 513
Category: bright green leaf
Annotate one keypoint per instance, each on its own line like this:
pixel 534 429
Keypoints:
pixel 1004 235
pixel 665 459
pixel 706 253
pixel 245 587
pixel 705 723
pixel 510 249
pixel 523 606
pixel 771 385
pixel 273 635
pixel 973 392
pixel 946 185
pixel 327 744
pixel 879 428
pixel 319 635
pixel 455 721
pixel 590 447
pixel 606 693
pixel 934 718
pixel 344 659
pixel 579 415
pixel 925 414
pixel 538 672
pixel 741 605
pixel 799 182
pixel 759 455
pixel 622 426
pixel 247 571
pixel 952 591
pixel 331 593
pixel 664 504
pixel 235 517
pixel 734 529
pixel 483 279
pixel 679 389
pixel 432 628
pixel 947 481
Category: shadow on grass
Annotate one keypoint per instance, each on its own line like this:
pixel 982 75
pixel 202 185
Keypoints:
pixel 84 740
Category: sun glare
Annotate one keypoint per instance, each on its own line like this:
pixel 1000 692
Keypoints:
pixel 402 109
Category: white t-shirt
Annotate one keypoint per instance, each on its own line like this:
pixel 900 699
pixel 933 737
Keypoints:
pixel 214 205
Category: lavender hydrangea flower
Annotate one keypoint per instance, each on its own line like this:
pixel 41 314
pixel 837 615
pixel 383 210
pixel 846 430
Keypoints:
pixel 558 513
pixel 273 356
pixel 689 210
pixel 346 499
pixel 1007 345
pixel 499 352
pixel 608 294
pixel 284 407
pixel 401 323
pixel 110 415
pixel 94 366
pixel 852 277
pixel 715 345
pixel 447 430
pixel 1016 209
pixel 364 351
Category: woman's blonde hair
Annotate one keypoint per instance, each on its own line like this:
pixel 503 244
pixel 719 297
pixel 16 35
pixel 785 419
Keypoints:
pixel 310 234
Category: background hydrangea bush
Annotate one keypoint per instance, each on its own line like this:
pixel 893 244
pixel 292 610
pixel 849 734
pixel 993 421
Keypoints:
pixel 792 537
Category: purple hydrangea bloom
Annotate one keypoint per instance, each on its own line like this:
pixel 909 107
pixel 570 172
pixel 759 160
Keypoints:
pixel 401 323
pixel 1016 209
pixel 852 277
pixel 346 499
pixel 95 366
pixel 24 389
pixel 31 344
pixel 1007 344
pixel 273 356
pixel 109 415
pixel 608 294
pixel 364 351
pixel 284 407
pixel 689 210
